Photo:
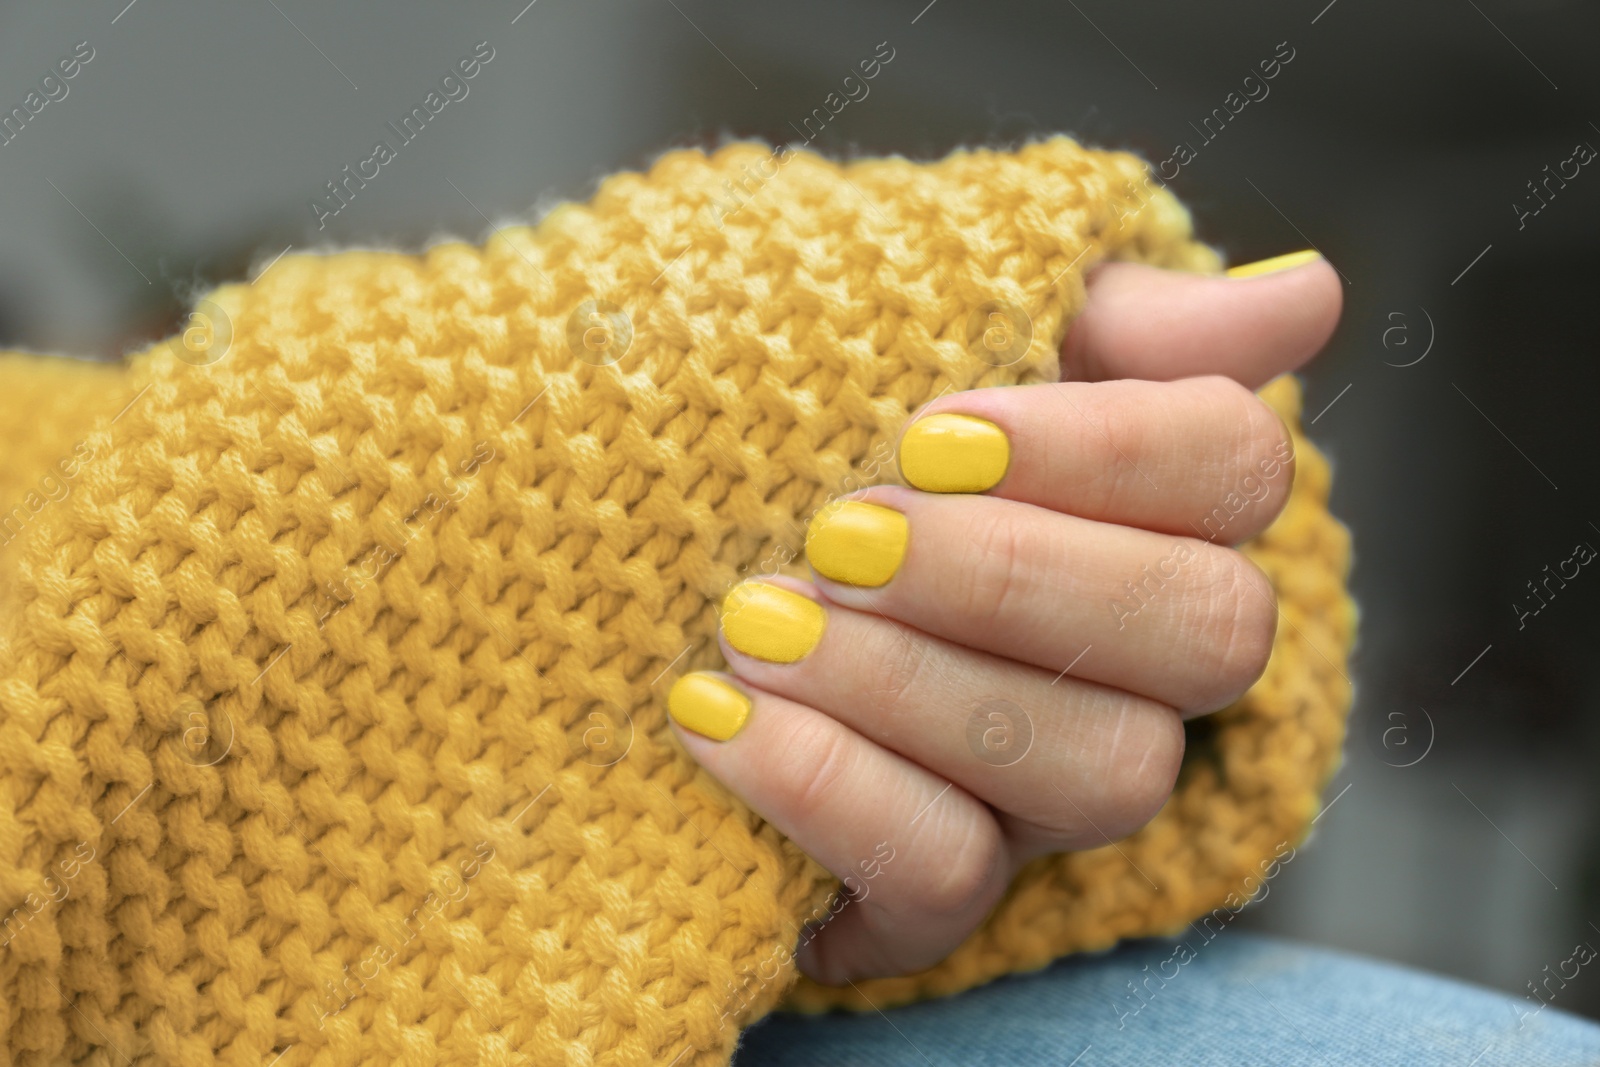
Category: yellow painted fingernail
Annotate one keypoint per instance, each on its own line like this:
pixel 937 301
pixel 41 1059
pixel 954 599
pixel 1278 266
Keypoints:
pixel 1275 264
pixel 707 705
pixel 857 543
pixel 769 622
pixel 948 453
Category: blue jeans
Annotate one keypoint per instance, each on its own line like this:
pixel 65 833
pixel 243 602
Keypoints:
pixel 1240 999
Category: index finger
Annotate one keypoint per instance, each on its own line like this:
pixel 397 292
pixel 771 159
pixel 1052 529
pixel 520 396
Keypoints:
pixel 1202 457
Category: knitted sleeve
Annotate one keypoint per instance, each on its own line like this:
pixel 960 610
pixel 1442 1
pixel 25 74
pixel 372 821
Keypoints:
pixel 337 627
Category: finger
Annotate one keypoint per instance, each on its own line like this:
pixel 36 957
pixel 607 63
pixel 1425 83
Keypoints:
pixel 1201 456
pixel 1016 737
pixel 1172 618
pixel 1145 322
pixel 923 861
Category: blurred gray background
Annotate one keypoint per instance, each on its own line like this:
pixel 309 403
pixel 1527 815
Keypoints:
pixel 1457 399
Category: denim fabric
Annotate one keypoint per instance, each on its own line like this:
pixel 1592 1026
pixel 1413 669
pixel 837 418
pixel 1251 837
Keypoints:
pixel 1238 999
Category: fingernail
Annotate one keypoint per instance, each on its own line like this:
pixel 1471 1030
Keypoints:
pixel 707 705
pixel 948 453
pixel 768 622
pixel 1275 264
pixel 857 543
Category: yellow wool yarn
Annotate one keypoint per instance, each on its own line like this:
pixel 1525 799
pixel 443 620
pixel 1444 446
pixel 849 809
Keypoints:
pixel 332 689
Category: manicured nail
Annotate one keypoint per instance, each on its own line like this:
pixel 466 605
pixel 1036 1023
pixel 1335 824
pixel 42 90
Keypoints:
pixel 857 543
pixel 948 453
pixel 768 622
pixel 1275 264
pixel 707 705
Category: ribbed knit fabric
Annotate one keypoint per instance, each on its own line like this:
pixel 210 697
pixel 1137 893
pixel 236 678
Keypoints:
pixel 332 689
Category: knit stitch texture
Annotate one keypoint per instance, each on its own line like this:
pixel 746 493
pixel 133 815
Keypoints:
pixel 336 648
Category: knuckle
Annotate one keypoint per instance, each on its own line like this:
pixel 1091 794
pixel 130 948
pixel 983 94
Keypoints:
pixel 1268 448
pixel 998 565
pixel 962 877
pixel 1106 437
pixel 893 677
pixel 820 755
pixel 1265 432
pixel 1241 624
pixel 1145 759
pixel 1263 452
pixel 1134 771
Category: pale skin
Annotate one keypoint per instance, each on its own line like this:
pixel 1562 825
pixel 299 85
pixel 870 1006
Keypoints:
pixel 860 749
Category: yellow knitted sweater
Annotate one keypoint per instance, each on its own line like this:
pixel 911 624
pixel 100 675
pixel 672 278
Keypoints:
pixel 339 625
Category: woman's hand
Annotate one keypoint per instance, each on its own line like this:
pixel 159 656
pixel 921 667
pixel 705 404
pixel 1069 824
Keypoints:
pixel 996 664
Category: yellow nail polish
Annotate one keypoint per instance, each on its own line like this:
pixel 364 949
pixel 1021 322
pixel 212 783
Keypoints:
pixel 947 453
pixel 769 622
pixel 707 705
pixel 857 543
pixel 1273 265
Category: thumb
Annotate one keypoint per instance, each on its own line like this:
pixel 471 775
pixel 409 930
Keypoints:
pixel 1252 324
